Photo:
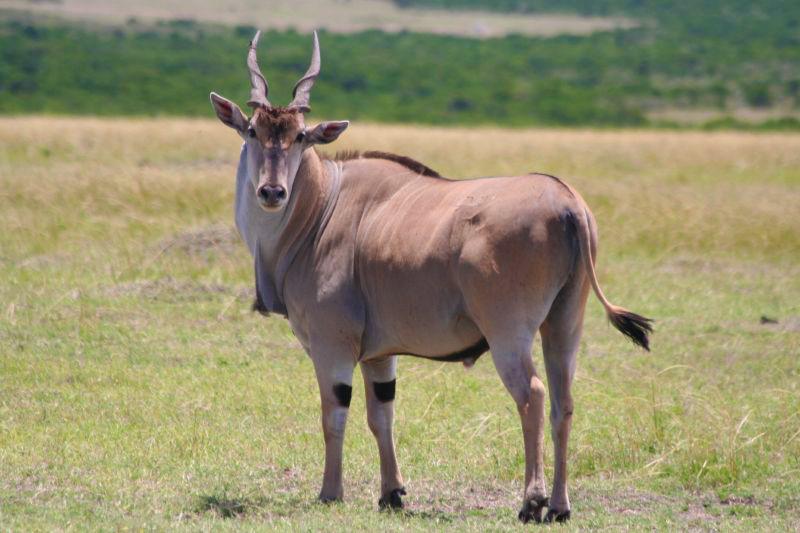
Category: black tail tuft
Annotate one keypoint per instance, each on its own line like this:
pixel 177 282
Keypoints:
pixel 633 326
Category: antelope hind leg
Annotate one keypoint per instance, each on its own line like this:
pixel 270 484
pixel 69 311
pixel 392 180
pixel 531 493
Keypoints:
pixel 515 366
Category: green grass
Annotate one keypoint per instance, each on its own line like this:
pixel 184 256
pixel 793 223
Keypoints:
pixel 138 391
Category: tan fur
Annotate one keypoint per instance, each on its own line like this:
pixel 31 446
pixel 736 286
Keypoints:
pixel 440 265
pixel 373 255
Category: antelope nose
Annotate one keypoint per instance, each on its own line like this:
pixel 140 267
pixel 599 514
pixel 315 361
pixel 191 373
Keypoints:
pixel 272 194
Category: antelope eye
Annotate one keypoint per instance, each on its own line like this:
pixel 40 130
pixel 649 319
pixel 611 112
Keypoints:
pixel 300 137
pixel 251 133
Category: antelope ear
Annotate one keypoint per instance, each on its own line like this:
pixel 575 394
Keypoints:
pixel 229 113
pixel 327 132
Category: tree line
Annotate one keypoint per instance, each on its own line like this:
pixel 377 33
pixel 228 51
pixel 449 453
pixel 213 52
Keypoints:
pixel 605 79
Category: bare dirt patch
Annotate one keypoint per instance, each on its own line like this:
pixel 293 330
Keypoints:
pixel 694 117
pixel 203 241
pixel 789 323
pixel 336 16
pixel 169 290
pixel 633 501
pixel 432 497
pixel 42 261
pixel 740 500
pixel 228 507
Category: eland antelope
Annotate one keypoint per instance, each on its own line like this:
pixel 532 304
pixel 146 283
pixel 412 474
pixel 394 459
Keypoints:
pixel 374 255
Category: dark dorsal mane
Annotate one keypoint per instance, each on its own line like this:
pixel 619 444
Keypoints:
pixel 557 179
pixel 411 164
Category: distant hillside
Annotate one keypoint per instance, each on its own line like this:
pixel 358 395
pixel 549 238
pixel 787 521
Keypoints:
pixel 338 16
pixel 720 66
pixel 740 57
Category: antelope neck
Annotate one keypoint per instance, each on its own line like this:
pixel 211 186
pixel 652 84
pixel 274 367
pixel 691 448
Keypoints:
pixel 274 239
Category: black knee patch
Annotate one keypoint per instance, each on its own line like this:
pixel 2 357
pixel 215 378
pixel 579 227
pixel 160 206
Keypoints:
pixel 385 391
pixel 343 393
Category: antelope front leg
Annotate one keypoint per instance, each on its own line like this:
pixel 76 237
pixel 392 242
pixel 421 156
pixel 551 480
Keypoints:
pixel 379 382
pixel 335 378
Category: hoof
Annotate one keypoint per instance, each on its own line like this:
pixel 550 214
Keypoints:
pixel 392 500
pixel 555 516
pixel 532 510
pixel 328 499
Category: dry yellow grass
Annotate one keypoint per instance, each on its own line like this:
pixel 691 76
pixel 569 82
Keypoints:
pixel 658 193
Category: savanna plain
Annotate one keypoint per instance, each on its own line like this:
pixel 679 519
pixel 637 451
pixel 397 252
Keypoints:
pixel 138 390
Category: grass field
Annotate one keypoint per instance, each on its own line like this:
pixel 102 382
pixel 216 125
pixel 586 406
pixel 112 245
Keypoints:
pixel 138 391
pixel 339 16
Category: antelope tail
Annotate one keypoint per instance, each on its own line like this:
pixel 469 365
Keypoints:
pixel 633 326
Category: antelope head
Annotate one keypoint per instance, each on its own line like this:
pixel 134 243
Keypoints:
pixel 275 137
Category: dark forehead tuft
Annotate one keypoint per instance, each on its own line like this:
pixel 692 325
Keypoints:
pixel 277 119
